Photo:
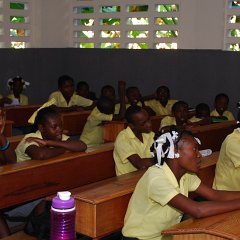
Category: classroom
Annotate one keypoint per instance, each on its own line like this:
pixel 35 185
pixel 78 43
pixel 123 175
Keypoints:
pixel 190 46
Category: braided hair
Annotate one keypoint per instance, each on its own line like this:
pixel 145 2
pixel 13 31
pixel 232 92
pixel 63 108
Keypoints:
pixel 166 142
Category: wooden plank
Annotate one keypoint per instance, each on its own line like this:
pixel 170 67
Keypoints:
pixel 34 179
pixel 74 122
pixel 221 226
pixel 20 114
pixel 101 206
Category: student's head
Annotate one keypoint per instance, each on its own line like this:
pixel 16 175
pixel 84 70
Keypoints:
pixel 180 112
pixel 49 123
pixel 133 95
pixel 16 85
pixel 138 119
pixel 106 105
pixel 221 102
pixel 202 110
pixel 66 86
pixel 178 145
pixel 163 94
pixel 108 91
pixel 83 89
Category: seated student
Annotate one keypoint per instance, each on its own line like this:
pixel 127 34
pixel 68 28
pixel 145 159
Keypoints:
pixel 132 145
pixel 16 86
pixel 109 92
pixel 180 116
pixel 66 99
pixel 202 115
pixel 227 172
pixel 134 98
pixel 221 105
pixel 161 195
pixel 82 90
pixel 48 141
pixel 92 133
pixel 7 153
pixel 162 105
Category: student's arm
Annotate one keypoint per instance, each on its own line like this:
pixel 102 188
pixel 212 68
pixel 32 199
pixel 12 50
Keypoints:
pixel 51 148
pixel 141 163
pixel 121 92
pixel 219 202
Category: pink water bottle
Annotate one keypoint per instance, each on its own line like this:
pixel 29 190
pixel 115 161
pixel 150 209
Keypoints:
pixel 63 217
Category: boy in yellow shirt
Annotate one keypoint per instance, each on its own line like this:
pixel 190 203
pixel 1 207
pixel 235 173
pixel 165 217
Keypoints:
pixel 221 105
pixel 132 145
pixel 92 133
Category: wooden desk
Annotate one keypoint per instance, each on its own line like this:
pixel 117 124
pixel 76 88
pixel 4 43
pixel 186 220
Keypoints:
pixel 101 206
pixel 222 226
pixel 34 179
pixel 8 128
pixel 20 114
pixel 213 135
pixel 74 122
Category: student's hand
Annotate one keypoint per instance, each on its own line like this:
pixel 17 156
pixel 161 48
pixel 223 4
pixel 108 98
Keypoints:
pixel 2 120
pixel 39 141
pixel 121 86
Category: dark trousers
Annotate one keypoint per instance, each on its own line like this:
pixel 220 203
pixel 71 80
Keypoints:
pixel 128 238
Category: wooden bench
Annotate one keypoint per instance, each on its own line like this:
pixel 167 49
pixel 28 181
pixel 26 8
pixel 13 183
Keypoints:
pixel 15 140
pixel 8 128
pixel 20 114
pixel 74 122
pixel 34 179
pixel 101 206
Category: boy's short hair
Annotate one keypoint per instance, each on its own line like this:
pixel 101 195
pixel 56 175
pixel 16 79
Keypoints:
pixel 105 105
pixel 130 89
pixel 163 88
pixel 82 83
pixel 177 104
pixel 43 114
pixel 64 78
pixel 132 110
pixel 202 107
pixel 221 95
pixel 106 87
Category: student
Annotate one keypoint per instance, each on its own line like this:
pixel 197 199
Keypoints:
pixel 161 195
pixel 134 98
pixel 202 115
pixel 7 153
pixel 82 90
pixel 92 133
pixel 48 141
pixel 66 99
pixel 109 92
pixel 132 145
pixel 16 86
pixel 180 116
pixel 162 105
pixel 227 173
pixel 221 106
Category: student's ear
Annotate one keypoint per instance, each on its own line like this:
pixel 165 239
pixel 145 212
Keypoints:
pixel 40 127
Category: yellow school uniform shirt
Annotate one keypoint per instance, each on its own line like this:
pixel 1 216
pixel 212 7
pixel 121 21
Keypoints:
pixel 117 107
pixel 92 133
pixel 158 108
pixel 148 211
pixel 75 100
pixel 23 98
pixel 168 121
pixel 127 144
pixel 194 119
pixel 22 146
pixel 227 173
pixel 226 114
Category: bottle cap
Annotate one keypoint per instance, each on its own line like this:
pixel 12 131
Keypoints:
pixel 63 200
